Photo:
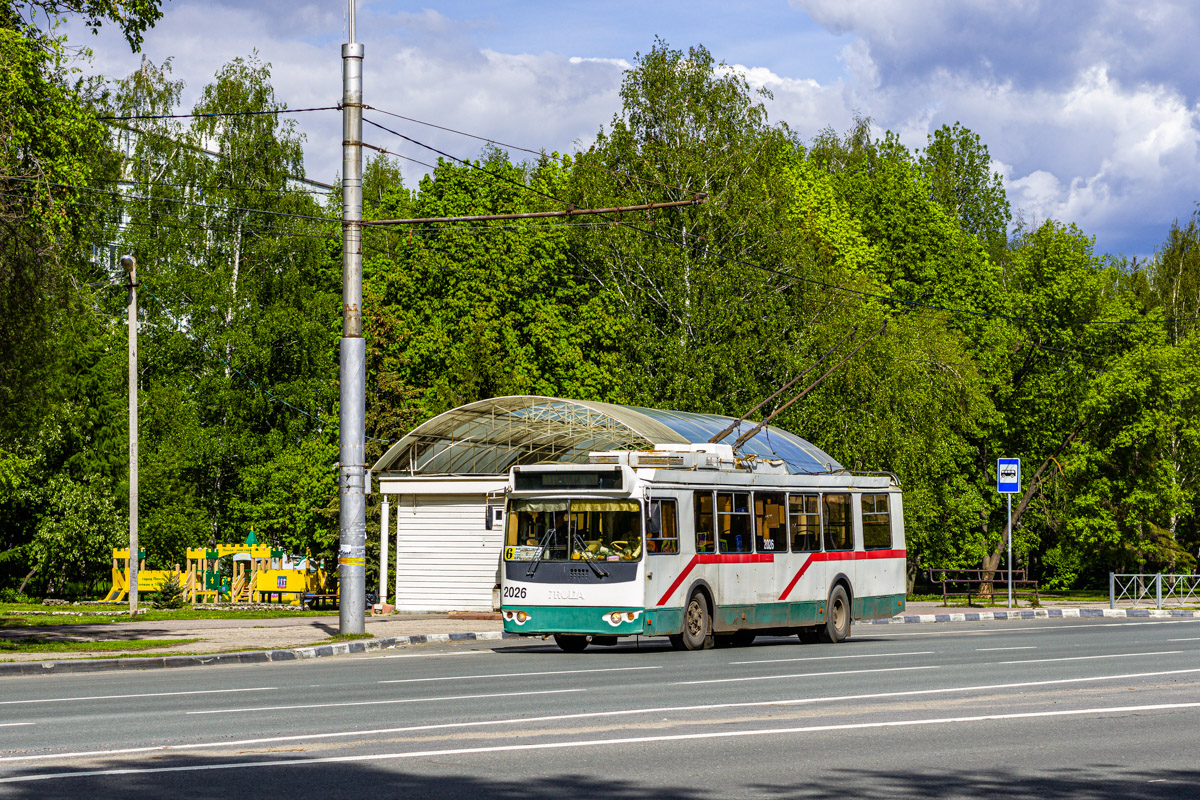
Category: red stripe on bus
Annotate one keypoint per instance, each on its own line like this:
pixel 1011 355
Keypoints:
pixel 847 556
pixel 713 558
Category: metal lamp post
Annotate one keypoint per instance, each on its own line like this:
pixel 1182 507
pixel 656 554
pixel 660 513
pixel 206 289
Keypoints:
pixel 130 265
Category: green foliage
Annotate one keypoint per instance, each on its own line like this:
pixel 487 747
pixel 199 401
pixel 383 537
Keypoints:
pixel 998 342
pixel 959 170
pixel 133 17
pixel 76 530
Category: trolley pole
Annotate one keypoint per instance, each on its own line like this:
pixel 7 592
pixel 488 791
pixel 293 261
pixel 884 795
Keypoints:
pixel 352 516
pixel 130 265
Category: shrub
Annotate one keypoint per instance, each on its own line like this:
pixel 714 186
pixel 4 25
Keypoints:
pixel 169 595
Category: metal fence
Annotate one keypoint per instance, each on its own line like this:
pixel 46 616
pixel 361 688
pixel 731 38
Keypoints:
pixel 1157 587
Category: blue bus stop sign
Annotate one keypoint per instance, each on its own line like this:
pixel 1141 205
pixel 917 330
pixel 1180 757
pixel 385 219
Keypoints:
pixel 1008 475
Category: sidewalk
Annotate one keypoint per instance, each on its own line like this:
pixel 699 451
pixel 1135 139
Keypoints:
pixel 227 635
pixel 262 640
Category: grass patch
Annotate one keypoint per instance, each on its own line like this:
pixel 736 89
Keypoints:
pixel 42 646
pixel 349 637
pixel 14 615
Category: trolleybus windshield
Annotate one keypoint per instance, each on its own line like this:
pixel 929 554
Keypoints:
pixel 572 530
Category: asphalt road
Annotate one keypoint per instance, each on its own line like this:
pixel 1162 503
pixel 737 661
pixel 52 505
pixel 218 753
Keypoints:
pixel 1047 709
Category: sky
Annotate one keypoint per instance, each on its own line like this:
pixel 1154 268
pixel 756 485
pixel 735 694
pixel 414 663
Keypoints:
pixel 1090 109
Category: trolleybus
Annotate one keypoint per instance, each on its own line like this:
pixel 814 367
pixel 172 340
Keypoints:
pixel 700 546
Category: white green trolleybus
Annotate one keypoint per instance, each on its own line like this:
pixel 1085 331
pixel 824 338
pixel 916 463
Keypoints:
pixel 698 545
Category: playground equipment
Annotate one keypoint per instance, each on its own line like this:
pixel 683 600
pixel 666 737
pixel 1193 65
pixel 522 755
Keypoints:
pixel 149 580
pixel 260 574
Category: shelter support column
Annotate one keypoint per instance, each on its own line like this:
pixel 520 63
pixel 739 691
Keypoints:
pixel 396 585
pixel 385 513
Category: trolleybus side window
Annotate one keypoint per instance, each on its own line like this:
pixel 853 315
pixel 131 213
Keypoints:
pixel 770 522
pixel 805 517
pixel 705 540
pixel 662 527
pixel 838 533
pixel 876 522
pixel 733 522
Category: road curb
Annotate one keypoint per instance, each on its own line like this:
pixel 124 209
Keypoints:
pixel 245 657
pixel 1036 613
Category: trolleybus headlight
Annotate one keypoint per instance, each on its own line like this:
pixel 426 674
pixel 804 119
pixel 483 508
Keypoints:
pixel 522 616
pixel 615 617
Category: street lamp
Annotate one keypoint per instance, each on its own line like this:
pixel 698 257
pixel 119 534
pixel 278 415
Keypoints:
pixel 130 265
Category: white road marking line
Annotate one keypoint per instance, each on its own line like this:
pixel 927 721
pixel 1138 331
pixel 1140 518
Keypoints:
pixel 440 655
pixel 126 696
pixel 384 702
pixel 15 724
pixel 830 658
pixel 679 737
pixel 991 649
pixel 302 737
pixel 514 675
pixel 1090 658
pixel 744 678
pixel 1192 639
pixel 864 631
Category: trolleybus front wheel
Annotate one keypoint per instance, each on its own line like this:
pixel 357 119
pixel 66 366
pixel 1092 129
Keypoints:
pixel 696 628
pixel 837 616
pixel 571 644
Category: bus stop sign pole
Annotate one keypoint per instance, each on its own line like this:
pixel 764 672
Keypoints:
pixel 1008 483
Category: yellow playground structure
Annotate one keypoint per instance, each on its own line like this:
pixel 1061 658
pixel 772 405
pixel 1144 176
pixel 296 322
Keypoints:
pixel 260 574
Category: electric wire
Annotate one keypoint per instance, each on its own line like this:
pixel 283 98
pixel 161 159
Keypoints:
pixel 175 200
pixel 889 300
pixel 218 114
pixel 617 173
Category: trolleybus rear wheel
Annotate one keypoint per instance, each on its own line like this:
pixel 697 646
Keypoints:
pixel 572 644
pixel 837 616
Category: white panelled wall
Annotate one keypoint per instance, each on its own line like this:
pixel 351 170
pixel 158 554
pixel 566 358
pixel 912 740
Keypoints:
pixel 446 558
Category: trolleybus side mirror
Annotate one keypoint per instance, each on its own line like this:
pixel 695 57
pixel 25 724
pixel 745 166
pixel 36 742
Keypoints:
pixel 492 515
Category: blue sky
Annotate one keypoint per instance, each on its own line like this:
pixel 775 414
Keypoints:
pixel 1089 108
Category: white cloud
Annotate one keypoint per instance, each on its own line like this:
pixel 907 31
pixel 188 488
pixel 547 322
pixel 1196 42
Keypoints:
pixel 1090 106
pixel 422 65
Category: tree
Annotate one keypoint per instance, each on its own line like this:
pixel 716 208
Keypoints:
pixel 961 180
pixel 686 283
pixel 237 343
pixel 460 312
pixel 133 17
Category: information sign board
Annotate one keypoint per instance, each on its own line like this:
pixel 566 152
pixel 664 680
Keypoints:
pixel 1008 475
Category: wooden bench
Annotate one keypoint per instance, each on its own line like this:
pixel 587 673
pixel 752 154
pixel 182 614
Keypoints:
pixel 970 583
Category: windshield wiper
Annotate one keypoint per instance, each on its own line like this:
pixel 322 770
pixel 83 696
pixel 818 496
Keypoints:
pixel 541 549
pixel 587 556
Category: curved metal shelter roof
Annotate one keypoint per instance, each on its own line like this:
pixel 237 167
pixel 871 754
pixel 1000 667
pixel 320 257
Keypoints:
pixel 488 437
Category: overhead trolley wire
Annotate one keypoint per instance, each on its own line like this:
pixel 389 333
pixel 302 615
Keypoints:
pixel 218 114
pixel 467 163
pixel 890 300
pixel 177 201
pixel 617 173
